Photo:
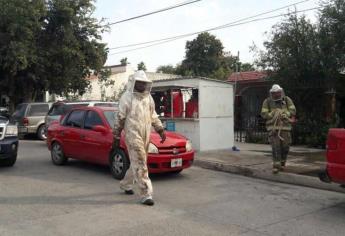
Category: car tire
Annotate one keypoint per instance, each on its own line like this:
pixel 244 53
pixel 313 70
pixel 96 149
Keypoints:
pixel 57 155
pixel 119 164
pixel 9 162
pixel 41 133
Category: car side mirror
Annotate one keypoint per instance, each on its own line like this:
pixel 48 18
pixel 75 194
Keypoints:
pixel 99 128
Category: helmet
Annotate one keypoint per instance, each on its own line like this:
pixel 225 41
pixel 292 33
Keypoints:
pixel 276 88
pixel 140 75
pixel 277 92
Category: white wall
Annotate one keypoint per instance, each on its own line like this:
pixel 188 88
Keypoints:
pixel 216 133
pixel 189 129
pixel 216 115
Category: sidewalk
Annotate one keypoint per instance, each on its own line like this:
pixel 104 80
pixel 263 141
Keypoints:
pixel 255 160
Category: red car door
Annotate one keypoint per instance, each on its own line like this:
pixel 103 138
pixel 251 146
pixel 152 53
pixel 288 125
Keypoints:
pixel 71 134
pixel 96 145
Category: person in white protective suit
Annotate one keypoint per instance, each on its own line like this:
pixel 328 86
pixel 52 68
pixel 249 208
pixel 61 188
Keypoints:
pixel 136 116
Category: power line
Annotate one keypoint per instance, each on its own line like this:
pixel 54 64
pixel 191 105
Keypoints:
pixel 227 26
pixel 210 29
pixel 154 12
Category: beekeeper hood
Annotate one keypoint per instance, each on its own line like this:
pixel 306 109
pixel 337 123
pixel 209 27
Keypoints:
pixel 276 92
pixel 138 83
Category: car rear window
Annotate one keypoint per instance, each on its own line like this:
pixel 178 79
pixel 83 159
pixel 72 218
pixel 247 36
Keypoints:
pixel 38 110
pixel 63 108
pixel 20 110
pixel 110 116
pixel 104 104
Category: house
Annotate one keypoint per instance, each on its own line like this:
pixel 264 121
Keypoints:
pixel 251 88
pixel 112 89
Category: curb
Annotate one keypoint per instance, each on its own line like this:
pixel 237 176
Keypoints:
pixel 288 178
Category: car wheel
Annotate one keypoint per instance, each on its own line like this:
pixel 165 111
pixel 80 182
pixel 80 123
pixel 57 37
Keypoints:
pixel 41 132
pixel 9 162
pixel 119 164
pixel 58 157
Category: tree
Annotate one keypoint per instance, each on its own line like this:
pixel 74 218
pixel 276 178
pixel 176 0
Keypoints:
pixel 124 61
pixel 167 69
pixel 202 55
pixel 247 67
pixel 292 52
pixel 332 39
pixel 48 45
pixel 141 66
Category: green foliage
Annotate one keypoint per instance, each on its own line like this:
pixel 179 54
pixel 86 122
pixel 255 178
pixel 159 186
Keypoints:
pixel 167 69
pixel 205 57
pixel 124 61
pixel 202 55
pixel 142 66
pixel 48 45
pixel 291 50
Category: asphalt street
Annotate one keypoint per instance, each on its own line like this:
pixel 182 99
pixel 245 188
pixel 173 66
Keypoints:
pixel 38 198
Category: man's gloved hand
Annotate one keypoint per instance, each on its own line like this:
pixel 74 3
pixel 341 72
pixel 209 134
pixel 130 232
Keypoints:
pixel 285 115
pixel 116 142
pixel 162 134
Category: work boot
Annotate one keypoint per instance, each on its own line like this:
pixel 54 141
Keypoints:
pixel 282 165
pixel 276 167
pixel 147 201
pixel 129 192
pixel 275 170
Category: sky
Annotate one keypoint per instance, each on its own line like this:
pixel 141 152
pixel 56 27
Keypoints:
pixel 187 19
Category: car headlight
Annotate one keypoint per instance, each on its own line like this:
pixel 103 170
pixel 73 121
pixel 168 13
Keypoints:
pixel 153 149
pixel 11 130
pixel 189 146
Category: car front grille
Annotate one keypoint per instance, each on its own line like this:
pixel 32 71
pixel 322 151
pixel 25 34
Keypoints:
pixel 172 150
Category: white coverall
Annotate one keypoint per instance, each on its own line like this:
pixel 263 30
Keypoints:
pixel 136 115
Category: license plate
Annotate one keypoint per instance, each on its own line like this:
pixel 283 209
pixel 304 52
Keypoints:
pixel 176 162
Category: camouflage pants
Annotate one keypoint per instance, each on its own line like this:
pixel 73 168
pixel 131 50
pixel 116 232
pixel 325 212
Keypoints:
pixel 138 172
pixel 280 148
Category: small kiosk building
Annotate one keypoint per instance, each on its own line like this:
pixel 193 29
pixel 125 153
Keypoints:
pixel 199 108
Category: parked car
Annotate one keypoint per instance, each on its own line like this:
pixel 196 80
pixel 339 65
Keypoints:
pixel 335 169
pixel 62 108
pixel 85 133
pixel 30 118
pixel 8 142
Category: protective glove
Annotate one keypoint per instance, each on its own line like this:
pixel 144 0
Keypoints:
pixel 285 115
pixel 162 135
pixel 116 142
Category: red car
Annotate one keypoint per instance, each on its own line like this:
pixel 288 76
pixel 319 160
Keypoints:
pixel 85 133
pixel 335 171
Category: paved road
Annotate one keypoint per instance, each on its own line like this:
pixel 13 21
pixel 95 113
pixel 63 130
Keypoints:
pixel 38 198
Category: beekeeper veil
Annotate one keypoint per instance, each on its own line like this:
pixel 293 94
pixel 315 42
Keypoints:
pixel 138 83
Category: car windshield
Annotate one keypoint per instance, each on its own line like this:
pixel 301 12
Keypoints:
pixel 20 110
pixel 3 120
pixel 110 116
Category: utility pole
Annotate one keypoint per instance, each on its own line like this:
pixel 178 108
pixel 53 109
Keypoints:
pixel 234 148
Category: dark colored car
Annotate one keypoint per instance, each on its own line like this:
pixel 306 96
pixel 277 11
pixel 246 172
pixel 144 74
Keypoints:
pixel 85 133
pixel 8 142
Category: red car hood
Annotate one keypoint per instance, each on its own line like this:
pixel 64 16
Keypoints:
pixel 172 140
